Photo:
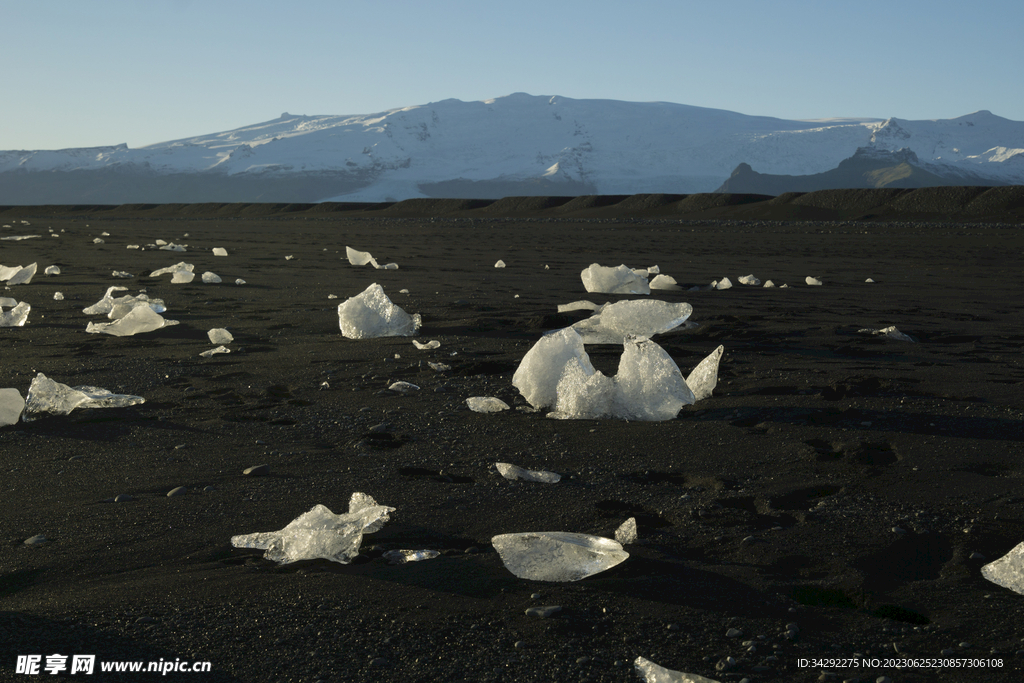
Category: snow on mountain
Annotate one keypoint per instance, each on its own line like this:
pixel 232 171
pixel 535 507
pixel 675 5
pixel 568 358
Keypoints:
pixel 606 146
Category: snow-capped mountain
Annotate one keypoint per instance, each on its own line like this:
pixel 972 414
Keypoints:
pixel 519 144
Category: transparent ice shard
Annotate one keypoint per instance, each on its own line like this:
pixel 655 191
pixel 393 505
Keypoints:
pixel 211 278
pixel 181 273
pixel 704 378
pixel 403 556
pixel 618 280
pixel 557 555
pixel 749 280
pixel 11 405
pixel 48 396
pixel 211 352
pixel 359 258
pixel 139 320
pixel 320 533
pixel 1008 570
pixel 512 473
pixel 122 306
pixel 219 335
pixel 105 304
pixel 538 373
pixel 371 314
pixel 17 275
pixel 891 332
pixel 724 283
pixel 615 322
pixel 650 672
pixel 17 316
pixel 664 282
pixel 813 281
pixel 626 533
pixel 429 345
pixel 582 305
pixel 486 404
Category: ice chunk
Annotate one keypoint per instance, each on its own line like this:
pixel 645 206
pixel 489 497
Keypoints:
pixel 48 396
pixel 749 280
pixel 220 251
pixel 439 367
pixel 648 384
pixel 18 238
pixel 239 281
pixel 617 280
pixel 626 533
pixel 17 316
pixel 582 305
pixel 180 273
pixel 653 270
pixel 870 281
pixel 371 314
pixel 890 332
pixel 724 283
pixel 105 304
pixel 1007 571
pixel 52 270
pixel 211 352
pixel 512 473
pixel 812 281
pixel 557 555
pixel 17 275
pixel 174 247
pixel 211 278
pixel 538 373
pixel 58 296
pixel 652 673
pixel 359 258
pixel 486 404
pixel 429 345
pixel 499 264
pixel 138 320
pixel 704 378
pixel 320 533
pixel 615 322
pixel 11 405
pixel 769 283
pixel 664 282
pixel 403 556
pixel 219 335
pixel 99 240
pixel 403 387
pixel 123 274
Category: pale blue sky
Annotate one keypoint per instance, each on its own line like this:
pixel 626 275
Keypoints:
pixel 77 73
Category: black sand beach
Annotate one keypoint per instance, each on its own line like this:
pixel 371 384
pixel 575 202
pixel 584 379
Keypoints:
pixel 846 483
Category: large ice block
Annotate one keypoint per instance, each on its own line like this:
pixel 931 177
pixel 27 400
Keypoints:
pixel 557 555
pixel 650 672
pixel 371 314
pixel 48 396
pixel 648 385
pixel 1008 570
pixel 537 376
pixel 615 322
pixel 11 405
pixel 618 280
pixel 320 533
pixel 137 321
pixel 15 317
pixel 704 378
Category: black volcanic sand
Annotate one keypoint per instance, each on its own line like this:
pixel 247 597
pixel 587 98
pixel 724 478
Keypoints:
pixel 847 483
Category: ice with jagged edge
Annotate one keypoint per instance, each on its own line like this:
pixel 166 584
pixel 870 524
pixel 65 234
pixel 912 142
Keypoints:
pixel 620 279
pixel 17 275
pixel 888 332
pixel 371 314
pixel 138 320
pixel 321 534
pixel 703 379
pixel 362 258
pixel 581 305
pixel 48 396
pixel 514 472
pixel 614 322
pixel 181 273
pixel 1008 570
pixel 664 282
pixel 17 315
pixel 557 555
pixel 650 672
pixel 486 404
pixel 11 405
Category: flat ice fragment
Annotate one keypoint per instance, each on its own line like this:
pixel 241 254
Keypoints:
pixel 220 251
pixel 17 316
pixel 8 301
pixel 219 335
pixel 387 266
pixel 180 273
pixel 890 332
pixel 813 281
pixel 124 274
pixel 211 352
pixel 618 280
pixel 130 246
pixel 724 283
pixel 1007 571
pixel 239 281
pixel 18 238
pixel 582 305
pixel 403 556
pixel 499 264
pixel 403 387
pixel 512 473
pixel 11 405
pixel 704 378
pixel 16 275
pixel 439 367
pixel 320 533
pixel 137 321
pixel 174 247
pixel 429 345
pixel 359 258
pixel 650 672
pixel 557 555
pixel 48 396
pixel 626 533
pixel 371 314
pixel 211 278
pixel 99 240
pixel 52 270
pixel 58 296
pixel 749 280
pixel 160 243
pixel 486 404
pixel 615 322
pixel 666 282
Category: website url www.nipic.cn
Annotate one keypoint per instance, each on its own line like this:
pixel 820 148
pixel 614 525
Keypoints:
pixel 34 665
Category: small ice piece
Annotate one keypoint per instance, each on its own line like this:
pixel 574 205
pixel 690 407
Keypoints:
pixel 626 533
pixel 211 352
pixel 652 673
pixel 17 316
pixel 724 283
pixel 653 270
pixel 439 367
pixel 813 281
pixel 512 473
pixel 704 378
pixel 105 304
pixel 665 282
pixel 211 278
pixel 124 274
pixel 48 396
pixel 371 314
pixel 387 266
pixel 749 280
pixel 1007 571
pixel 239 281
pixel 615 322
pixel 403 556
pixel 429 345
pixel 618 280
pixel 220 251
pixel 98 241
pixel 403 387
pixel 124 305
pixel 130 246
pixel 11 405
pixel 890 332
pixel 499 264
pixel 52 270
pixel 769 283
pixel 174 247
pixel 139 320
pixel 320 533
pixel 58 296
pixel 557 555
pixel 869 281
pixel 18 238
pixel 16 275
pixel 360 258
pixel 180 273
pixel 160 243
pixel 582 305
pixel 219 335
pixel 486 404
pixel 401 291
